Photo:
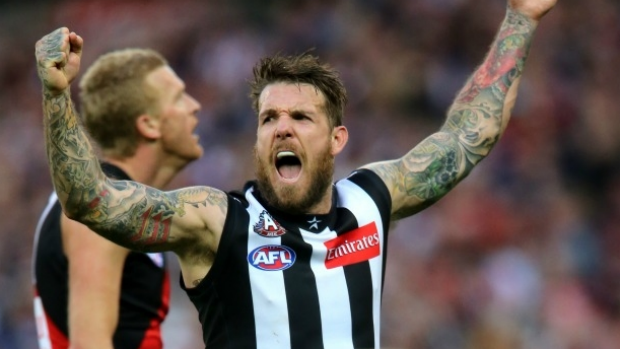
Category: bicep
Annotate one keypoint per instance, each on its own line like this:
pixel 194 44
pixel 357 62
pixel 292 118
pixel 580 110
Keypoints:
pixel 143 218
pixel 95 273
pixel 425 174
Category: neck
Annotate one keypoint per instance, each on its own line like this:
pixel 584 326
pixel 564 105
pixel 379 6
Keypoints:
pixel 148 168
pixel 323 206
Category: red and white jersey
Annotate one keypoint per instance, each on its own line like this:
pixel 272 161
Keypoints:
pixel 145 288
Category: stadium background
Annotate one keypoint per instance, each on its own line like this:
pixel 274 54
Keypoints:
pixel 525 253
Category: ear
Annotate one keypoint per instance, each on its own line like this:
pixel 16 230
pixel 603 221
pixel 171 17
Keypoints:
pixel 340 136
pixel 148 127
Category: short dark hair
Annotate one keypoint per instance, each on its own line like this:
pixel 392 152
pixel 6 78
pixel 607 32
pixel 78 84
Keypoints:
pixel 303 68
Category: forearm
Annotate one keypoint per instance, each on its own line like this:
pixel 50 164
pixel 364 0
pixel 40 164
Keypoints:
pixel 92 343
pixel 85 337
pixel 82 188
pixel 95 274
pixel 473 126
pixel 113 209
pixel 74 167
pixel 126 212
pixel 92 326
pixel 481 111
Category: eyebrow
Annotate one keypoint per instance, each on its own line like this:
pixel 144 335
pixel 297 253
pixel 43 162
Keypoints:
pixel 272 111
pixel 268 112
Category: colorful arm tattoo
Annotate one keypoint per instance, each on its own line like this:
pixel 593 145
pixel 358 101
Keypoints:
pixel 472 128
pixel 135 216
pixel 73 164
pixel 140 217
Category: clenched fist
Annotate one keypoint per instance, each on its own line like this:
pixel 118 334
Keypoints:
pixel 58 59
pixel 534 9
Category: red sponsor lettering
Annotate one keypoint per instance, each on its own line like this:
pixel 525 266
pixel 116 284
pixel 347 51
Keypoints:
pixel 356 246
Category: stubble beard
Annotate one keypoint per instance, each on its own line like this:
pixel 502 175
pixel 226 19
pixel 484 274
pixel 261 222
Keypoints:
pixel 185 150
pixel 291 198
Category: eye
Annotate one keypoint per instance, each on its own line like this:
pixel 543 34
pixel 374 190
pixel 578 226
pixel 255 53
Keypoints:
pixel 267 116
pixel 300 116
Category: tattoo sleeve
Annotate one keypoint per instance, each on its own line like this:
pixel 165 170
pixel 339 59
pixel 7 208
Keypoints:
pixel 129 213
pixel 73 165
pixel 140 217
pixel 473 126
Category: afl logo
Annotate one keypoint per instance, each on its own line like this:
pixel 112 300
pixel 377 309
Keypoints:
pixel 272 257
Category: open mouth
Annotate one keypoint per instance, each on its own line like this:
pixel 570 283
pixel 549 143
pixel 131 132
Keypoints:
pixel 288 165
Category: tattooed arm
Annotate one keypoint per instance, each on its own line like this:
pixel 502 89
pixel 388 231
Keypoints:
pixel 475 121
pixel 126 212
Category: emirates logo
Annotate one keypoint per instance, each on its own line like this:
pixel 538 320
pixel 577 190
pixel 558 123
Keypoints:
pixel 355 246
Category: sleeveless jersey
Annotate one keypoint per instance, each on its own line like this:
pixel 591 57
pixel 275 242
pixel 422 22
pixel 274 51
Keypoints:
pixel 298 281
pixel 145 288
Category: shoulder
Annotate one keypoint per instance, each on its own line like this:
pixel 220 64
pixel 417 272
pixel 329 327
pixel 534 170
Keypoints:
pixel 368 182
pixel 363 179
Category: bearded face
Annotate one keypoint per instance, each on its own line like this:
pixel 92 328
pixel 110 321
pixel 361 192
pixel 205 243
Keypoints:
pixel 295 148
pixel 295 198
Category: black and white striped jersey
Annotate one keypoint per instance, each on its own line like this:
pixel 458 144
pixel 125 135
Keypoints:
pixel 298 281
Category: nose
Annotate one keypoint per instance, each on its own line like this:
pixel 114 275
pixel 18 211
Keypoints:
pixel 194 105
pixel 284 127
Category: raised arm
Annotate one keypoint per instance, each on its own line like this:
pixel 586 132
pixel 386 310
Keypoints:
pixel 475 121
pixel 133 215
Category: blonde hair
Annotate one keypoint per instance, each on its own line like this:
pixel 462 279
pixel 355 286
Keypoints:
pixel 113 93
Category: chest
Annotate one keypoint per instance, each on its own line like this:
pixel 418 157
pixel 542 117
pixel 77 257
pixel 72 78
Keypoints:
pixel 273 245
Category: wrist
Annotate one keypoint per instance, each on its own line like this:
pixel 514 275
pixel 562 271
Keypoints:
pixel 531 15
pixel 51 93
pixel 521 19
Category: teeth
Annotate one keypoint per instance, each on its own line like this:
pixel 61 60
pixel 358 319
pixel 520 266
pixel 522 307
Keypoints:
pixel 285 153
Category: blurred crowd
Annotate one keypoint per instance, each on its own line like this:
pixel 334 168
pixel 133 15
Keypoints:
pixel 524 253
